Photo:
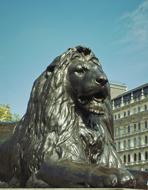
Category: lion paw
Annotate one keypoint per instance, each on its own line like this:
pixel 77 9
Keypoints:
pixel 126 179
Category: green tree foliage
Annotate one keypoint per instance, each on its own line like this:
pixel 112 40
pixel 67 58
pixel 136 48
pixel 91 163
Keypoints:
pixel 5 113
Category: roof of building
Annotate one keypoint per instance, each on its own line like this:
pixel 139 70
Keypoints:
pixel 132 90
pixel 117 83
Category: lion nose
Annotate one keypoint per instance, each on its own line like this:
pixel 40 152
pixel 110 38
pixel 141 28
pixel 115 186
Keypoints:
pixel 101 80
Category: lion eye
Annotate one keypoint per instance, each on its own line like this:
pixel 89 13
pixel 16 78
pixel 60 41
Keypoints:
pixel 81 70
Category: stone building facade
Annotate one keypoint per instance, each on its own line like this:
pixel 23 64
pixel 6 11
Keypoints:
pixel 130 111
pixel 117 89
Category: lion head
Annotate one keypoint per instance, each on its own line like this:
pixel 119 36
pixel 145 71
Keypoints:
pixel 88 83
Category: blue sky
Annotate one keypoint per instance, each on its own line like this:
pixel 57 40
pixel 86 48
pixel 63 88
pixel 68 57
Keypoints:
pixel 34 32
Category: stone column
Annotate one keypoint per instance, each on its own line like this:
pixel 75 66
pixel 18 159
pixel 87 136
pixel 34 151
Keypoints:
pixel 113 107
pixel 142 94
pixel 122 103
pixel 132 99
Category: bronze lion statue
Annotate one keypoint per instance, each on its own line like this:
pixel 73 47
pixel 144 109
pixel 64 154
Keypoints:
pixel 65 139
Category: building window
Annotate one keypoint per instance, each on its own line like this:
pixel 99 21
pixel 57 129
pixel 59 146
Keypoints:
pixel 139 155
pixel 119 145
pixel 135 157
pixel 117 102
pixel 115 117
pixel 119 131
pixel 137 94
pixel 118 115
pixel 146 155
pixel 129 143
pixel 124 144
pixel 124 130
pixel 145 123
pixel 139 108
pixel 139 126
pixel 145 107
pixel 146 140
pixel 124 114
pixel 135 142
pixel 128 112
pixel 128 128
pixel 135 127
pixel 145 91
pixel 129 158
pixel 127 98
pixel 139 141
pixel 124 158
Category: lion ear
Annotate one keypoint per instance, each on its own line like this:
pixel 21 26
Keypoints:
pixel 52 66
pixel 49 70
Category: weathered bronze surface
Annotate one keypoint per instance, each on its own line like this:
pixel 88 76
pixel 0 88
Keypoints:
pixel 65 139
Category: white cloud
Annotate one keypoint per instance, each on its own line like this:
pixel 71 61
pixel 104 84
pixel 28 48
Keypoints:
pixel 135 26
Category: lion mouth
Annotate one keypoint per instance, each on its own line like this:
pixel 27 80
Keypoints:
pixel 98 97
pixel 93 103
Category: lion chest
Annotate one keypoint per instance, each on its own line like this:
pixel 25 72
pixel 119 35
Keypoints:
pixel 93 140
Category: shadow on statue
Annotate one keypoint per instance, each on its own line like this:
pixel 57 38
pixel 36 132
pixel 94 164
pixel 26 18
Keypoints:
pixel 65 139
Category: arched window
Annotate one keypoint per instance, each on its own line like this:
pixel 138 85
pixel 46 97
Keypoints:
pixel 139 155
pixel 128 128
pixel 128 112
pixel 124 114
pixel 129 143
pixel 124 158
pixel 139 126
pixel 146 155
pixel 146 140
pixel 135 157
pixel 129 158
